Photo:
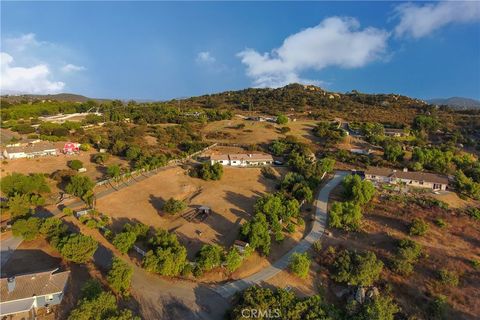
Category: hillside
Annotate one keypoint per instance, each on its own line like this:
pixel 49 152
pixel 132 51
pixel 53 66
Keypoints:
pixel 63 97
pixel 457 102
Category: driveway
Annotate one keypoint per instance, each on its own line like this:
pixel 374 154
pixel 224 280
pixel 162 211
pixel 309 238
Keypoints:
pixel 229 289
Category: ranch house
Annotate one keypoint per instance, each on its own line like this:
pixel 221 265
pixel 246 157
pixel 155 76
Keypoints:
pixel 242 160
pixel 29 295
pixel 409 178
pixel 31 150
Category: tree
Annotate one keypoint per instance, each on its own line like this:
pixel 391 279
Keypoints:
pixel 28 229
pixel 53 227
pixel 80 186
pixel 357 269
pixel 17 183
pixel 407 255
pixel 78 248
pixel 258 233
pixel 300 264
pixel 358 190
pixel 124 241
pixel 282 119
pixel 233 259
pixel 211 172
pixel 100 158
pixel 120 276
pixel 113 171
pixel 418 227
pixel 393 152
pixel 173 206
pixel 379 308
pixel 345 215
pixel 209 257
pixel 75 164
pixel 19 205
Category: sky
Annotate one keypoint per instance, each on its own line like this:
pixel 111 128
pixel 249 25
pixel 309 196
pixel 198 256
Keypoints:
pixel 164 50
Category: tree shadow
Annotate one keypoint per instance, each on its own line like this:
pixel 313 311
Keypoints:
pixel 157 203
pixel 212 305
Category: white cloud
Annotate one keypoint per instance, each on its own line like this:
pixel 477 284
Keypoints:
pixel 72 68
pixel 420 20
pixel 205 57
pixel 35 79
pixel 336 41
pixel 33 66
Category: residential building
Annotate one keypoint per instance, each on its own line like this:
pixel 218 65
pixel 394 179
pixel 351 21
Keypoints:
pixel 241 159
pixel 396 132
pixel 409 178
pixel 31 150
pixel 24 296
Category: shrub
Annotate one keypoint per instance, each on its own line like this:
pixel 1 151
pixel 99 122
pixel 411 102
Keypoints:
pixel 357 269
pixel 209 257
pixel 474 213
pixel 139 229
pixel 438 308
pixel 358 190
pixel 345 215
pixel 75 164
pixel 53 227
pixel 173 206
pixel 85 147
pixel 300 264
pixel 407 255
pixel 448 278
pixel 418 227
pixel 77 248
pixel 441 223
pixel 211 172
pixel 187 270
pixel 67 211
pixel 119 277
pixel 476 264
pixel 124 241
pixel 379 308
pixel 233 259
pixel 28 229
pixel 284 130
pixel 282 119
pixel 100 158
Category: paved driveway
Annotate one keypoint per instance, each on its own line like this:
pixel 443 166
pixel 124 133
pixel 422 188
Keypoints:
pixel 229 289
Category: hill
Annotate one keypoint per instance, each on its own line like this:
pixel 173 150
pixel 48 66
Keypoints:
pixel 457 102
pixel 63 97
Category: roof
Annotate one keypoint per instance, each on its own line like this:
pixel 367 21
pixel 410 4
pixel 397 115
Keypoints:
pixel 34 284
pixel 409 175
pixel 33 147
pixel 242 156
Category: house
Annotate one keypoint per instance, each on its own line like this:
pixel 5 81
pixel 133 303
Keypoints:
pixel 71 147
pixel 409 178
pixel 242 159
pixel 31 150
pixel 396 132
pixel 361 151
pixel 24 296
pixel 241 246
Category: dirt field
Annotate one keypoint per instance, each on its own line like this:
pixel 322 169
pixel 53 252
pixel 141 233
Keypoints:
pixel 452 247
pixel 255 132
pixel 50 164
pixel 231 200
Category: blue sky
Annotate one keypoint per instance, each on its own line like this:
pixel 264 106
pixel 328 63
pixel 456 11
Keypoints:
pixel 158 50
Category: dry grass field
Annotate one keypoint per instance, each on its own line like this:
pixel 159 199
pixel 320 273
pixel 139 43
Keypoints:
pixel 227 131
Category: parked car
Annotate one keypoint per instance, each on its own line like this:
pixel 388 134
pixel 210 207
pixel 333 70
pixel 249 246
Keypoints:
pixel 278 162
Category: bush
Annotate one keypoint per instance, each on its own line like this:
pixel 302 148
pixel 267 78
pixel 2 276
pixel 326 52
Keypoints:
pixel 173 206
pixel 119 277
pixel 282 119
pixel 209 257
pixel 233 259
pixel 75 164
pixel 124 241
pixel 67 211
pixel 345 215
pixel 358 190
pixel 418 227
pixel 408 253
pixel 139 229
pixel 53 228
pixel 300 264
pixel 284 130
pixel 441 223
pixel 448 278
pixel 357 269
pixel 187 270
pixel 211 172
pixel 77 248
pixel 474 213
pixel 28 229
pixel 85 147
pixel 379 308
pixel 438 308
pixel 100 158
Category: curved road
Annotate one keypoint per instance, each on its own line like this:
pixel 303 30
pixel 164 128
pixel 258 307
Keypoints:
pixel 229 289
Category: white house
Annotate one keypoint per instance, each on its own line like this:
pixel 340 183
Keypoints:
pixel 22 296
pixel 241 159
pixel 409 178
pixel 31 150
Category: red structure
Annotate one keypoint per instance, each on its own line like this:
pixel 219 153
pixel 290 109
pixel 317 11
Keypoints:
pixel 71 147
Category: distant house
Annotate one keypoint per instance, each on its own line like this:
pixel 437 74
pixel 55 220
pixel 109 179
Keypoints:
pixel 31 150
pixel 25 295
pixel 241 246
pixel 361 151
pixel 71 147
pixel 409 178
pixel 396 132
pixel 241 159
